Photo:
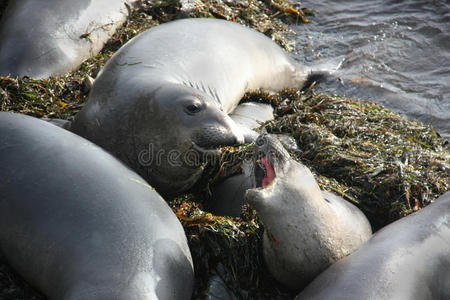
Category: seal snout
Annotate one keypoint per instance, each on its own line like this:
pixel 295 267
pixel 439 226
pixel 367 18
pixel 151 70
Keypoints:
pixel 214 137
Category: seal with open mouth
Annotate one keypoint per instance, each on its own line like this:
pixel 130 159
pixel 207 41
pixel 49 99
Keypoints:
pixel 304 232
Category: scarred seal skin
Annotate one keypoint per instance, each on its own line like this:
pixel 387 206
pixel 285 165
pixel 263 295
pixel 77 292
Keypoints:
pixel 408 259
pixel 304 232
pixel 77 224
pixel 46 38
pixel 163 99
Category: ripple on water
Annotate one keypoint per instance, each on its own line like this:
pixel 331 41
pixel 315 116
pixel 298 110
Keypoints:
pixel 402 49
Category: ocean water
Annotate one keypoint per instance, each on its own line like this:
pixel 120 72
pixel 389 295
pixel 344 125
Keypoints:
pixel 394 52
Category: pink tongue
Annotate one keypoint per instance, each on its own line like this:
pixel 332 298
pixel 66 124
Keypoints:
pixel 270 172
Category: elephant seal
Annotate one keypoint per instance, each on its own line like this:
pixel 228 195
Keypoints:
pixel 78 224
pixel 162 101
pixel 228 197
pixel 46 38
pixel 408 259
pixel 303 232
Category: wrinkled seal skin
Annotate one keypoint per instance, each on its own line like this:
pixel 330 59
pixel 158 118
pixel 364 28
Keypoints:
pixel 304 233
pixel 170 90
pixel 44 38
pixel 77 224
pixel 408 259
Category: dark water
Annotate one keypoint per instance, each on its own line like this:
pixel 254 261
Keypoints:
pixel 397 53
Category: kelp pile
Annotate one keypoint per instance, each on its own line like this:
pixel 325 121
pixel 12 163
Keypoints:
pixel 378 160
pixel 385 164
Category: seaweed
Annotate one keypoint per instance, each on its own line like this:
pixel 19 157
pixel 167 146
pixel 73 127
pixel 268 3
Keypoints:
pixel 228 247
pixel 385 164
pixel 389 166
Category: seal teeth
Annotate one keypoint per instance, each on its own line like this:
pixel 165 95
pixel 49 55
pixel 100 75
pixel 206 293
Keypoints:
pixel 259 173
pixel 263 167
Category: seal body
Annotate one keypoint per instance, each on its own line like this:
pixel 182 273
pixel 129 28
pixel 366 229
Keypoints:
pixel 227 197
pixel 304 232
pixel 77 224
pixel 408 259
pixel 44 38
pixel 164 97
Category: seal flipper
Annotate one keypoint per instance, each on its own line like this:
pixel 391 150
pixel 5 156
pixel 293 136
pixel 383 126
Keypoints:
pixel 249 116
pixel 323 73
pixel 314 78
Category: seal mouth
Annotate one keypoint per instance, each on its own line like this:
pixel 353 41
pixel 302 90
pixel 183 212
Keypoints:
pixel 264 172
pixel 212 152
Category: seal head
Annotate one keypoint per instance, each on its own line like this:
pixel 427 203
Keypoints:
pixel 166 136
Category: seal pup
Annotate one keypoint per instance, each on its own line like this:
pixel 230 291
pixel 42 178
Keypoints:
pixel 303 232
pixel 162 101
pixel 408 259
pixel 227 197
pixel 46 38
pixel 78 224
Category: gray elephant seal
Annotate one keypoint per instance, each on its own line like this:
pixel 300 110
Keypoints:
pixel 77 224
pixel 44 38
pixel 304 233
pixel 228 197
pixel 163 99
pixel 408 259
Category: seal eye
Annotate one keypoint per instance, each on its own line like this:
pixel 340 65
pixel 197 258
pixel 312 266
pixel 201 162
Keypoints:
pixel 193 109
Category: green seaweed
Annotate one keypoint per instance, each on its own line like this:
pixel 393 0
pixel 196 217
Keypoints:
pixel 385 164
